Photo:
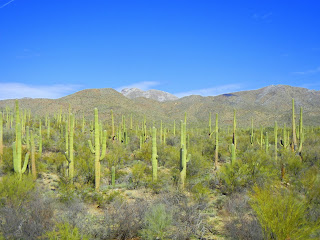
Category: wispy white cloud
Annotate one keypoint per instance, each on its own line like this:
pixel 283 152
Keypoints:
pixel 141 85
pixel 214 91
pixel 6 4
pixel 310 71
pixel 265 16
pixel 28 53
pixel 20 90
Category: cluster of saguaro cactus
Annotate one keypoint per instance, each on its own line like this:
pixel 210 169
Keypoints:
pixel 96 149
pixel 17 146
pixel 183 154
pixel 154 155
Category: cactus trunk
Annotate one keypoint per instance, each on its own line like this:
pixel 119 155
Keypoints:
pixel 154 155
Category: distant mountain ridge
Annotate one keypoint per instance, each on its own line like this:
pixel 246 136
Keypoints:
pixel 264 105
pixel 158 95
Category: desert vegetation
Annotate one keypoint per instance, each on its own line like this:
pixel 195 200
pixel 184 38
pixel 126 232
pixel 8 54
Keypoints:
pixel 68 176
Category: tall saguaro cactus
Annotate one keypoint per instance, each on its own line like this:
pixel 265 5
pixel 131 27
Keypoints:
pixel 301 132
pixel 33 157
pixel 96 150
pixel 154 155
pixel 17 146
pixel 294 136
pixel 183 155
pixel 69 147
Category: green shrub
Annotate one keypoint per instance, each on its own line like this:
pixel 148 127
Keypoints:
pixel 157 223
pixel 14 191
pixel 64 231
pixel 282 214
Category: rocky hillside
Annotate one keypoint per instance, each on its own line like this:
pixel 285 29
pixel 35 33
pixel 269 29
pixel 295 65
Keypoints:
pixel 265 105
pixel 158 95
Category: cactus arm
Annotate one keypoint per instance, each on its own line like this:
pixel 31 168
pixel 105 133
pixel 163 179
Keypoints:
pixel 154 155
pixel 104 145
pixel 188 158
pixel 91 147
pixel 25 164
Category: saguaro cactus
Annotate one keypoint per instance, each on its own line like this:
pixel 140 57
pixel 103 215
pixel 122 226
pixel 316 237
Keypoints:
pixel 154 155
pixel 251 135
pixel 33 157
pixel 17 146
pixel 69 147
pixel 294 136
pixel 183 155
pixel 96 150
pixel 301 132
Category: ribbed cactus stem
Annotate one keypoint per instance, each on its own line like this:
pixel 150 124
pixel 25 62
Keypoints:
pixel 96 149
pixel 284 135
pixel 216 153
pixel 301 132
pixel 294 137
pixel 112 124
pixel 33 157
pixel 71 161
pixel 28 138
pixel 17 146
pixel 154 155
pixel 40 138
pixel 174 127
pixel 83 124
pixel 183 155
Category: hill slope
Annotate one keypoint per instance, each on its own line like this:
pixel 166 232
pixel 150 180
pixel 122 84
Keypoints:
pixel 265 105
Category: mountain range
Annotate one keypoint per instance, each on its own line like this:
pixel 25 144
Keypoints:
pixel 265 105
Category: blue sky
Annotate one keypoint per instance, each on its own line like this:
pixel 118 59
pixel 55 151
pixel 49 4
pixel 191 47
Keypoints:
pixel 51 48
